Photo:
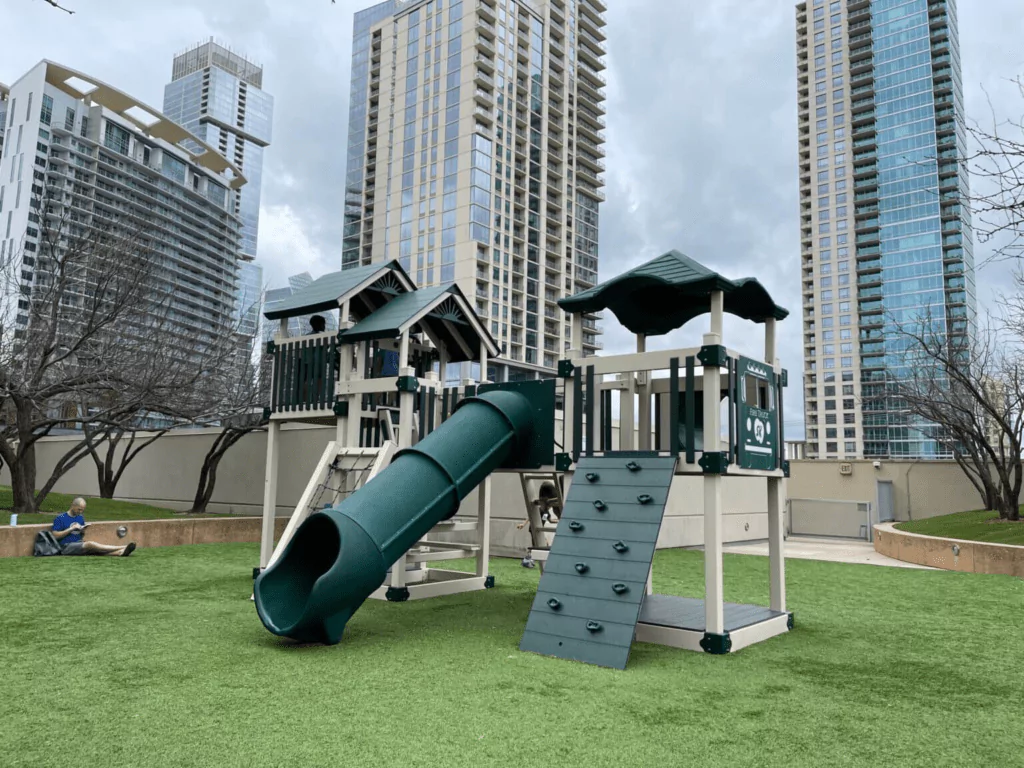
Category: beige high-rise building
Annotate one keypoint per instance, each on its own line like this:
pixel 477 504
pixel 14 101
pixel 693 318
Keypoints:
pixel 475 155
pixel 885 242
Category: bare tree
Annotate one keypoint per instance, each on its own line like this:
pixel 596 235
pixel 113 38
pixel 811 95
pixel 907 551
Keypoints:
pixel 120 446
pixel 240 394
pixel 997 170
pixel 967 394
pixel 86 338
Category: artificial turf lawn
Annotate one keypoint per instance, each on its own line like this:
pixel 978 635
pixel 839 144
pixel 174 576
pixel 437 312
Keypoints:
pixel 96 509
pixel 972 526
pixel 160 660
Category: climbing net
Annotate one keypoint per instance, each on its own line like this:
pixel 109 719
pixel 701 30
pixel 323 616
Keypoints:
pixel 346 475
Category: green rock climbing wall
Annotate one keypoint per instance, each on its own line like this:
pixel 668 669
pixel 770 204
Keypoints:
pixel 594 582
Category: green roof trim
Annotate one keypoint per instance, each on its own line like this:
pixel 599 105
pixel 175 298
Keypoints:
pixel 443 309
pixel 325 293
pixel 667 292
pixel 387 321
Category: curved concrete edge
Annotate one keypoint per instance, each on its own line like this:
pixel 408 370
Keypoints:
pixel 17 540
pixel 949 554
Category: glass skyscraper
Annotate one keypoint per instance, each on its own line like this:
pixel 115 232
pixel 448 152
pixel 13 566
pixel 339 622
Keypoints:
pixel 475 155
pixel 885 240
pixel 218 96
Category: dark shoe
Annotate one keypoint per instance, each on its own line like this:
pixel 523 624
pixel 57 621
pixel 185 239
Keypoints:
pixel 129 549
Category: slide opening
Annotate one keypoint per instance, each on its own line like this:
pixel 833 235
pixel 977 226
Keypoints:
pixel 285 588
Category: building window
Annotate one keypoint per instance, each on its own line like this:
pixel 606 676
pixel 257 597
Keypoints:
pixel 117 138
pixel 46 113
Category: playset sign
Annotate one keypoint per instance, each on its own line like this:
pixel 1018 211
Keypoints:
pixel 758 416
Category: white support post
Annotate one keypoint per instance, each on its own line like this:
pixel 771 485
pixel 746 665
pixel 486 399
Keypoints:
pixel 776 527
pixel 442 366
pixel 576 347
pixel 404 438
pixel 483 526
pixel 626 411
pixel 405 399
pixel 282 328
pixel 643 379
pixel 483 364
pixel 776 555
pixel 270 493
pixel 769 341
pixel 714 604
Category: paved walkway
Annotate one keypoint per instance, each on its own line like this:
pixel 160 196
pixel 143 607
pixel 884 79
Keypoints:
pixel 832 550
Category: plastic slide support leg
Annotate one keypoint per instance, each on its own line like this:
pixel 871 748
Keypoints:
pixel 339 556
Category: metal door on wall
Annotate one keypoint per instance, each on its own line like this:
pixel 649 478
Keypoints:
pixel 886 503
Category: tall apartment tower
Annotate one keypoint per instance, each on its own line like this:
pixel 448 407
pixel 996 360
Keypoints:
pixel 885 240
pixel 79 155
pixel 218 96
pixel 475 155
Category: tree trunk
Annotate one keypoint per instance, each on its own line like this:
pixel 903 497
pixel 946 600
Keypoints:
pixel 23 469
pixel 106 484
pixel 208 473
pixel 22 482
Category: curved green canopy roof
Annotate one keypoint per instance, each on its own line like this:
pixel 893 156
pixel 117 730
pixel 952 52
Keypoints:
pixel 664 294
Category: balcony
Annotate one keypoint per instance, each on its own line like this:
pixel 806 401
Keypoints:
pixel 486 12
pixel 590 25
pixel 485 45
pixel 591 73
pixel 587 130
pixel 485 62
pixel 590 57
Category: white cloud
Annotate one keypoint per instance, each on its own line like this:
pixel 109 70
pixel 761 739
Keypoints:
pixel 286 247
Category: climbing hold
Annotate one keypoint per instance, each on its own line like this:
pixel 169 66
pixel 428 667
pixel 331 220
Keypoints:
pixel 618 546
pixel 645 498
pixel 620 589
pixel 553 604
pixel 600 506
pixel 593 477
pixel 582 568
pixel 633 466
pixel 575 526
pixel 594 626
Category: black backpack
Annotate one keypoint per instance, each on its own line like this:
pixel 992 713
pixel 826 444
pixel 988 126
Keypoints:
pixel 45 545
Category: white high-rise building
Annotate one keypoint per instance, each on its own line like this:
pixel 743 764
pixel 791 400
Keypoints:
pixel 475 156
pixel 105 160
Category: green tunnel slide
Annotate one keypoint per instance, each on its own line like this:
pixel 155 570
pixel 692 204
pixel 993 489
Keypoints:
pixel 339 556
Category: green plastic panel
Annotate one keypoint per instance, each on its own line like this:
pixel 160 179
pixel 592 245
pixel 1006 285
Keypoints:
pixel 539 450
pixel 593 585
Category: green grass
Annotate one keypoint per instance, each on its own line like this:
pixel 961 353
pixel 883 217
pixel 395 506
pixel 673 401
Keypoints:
pixel 160 659
pixel 973 526
pixel 96 510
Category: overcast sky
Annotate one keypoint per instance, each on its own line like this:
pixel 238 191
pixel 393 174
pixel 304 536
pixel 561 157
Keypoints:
pixel 702 123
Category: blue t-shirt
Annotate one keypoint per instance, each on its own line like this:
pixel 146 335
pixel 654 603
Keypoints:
pixel 63 521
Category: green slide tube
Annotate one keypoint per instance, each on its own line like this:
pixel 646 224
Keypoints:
pixel 339 556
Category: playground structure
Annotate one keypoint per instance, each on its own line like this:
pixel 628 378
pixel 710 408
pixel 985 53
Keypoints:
pixel 424 447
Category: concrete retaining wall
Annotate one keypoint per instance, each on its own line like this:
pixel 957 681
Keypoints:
pixel 920 488
pixel 16 541
pixel 949 554
pixel 166 473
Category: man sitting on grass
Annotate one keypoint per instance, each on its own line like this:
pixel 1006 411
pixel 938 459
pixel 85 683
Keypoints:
pixel 67 530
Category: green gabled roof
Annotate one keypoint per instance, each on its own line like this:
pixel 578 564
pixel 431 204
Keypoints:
pixel 444 311
pixel 326 292
pixel 664 294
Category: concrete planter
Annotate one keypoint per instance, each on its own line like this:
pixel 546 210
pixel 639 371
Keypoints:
pixel 949 554
pixel 16 541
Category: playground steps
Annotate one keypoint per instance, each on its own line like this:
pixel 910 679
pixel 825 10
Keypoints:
pixel 595 578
